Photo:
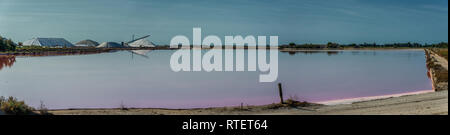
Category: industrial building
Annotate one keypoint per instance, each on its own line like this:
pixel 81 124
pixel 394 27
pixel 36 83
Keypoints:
pixel 86 43
pixel 48 42
pixel 141 42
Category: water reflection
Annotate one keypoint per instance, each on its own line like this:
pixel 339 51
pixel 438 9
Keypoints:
pixel 142 53
pixel 7 61
pixel 329 53
pixel 355 52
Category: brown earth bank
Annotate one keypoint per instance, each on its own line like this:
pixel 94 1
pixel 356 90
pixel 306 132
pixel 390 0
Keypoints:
pixel 437 69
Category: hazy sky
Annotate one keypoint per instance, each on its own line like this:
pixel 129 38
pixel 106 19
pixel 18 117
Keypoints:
pixel 301 21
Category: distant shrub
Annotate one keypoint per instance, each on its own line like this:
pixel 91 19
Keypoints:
pixel 292 45
pixel 123 107
pixel 332 45
pixel 443 53
pixel 7 45
pixel 275 106
pixel 30 48
pixel 295 103
pixel 290 102
pixel 14 106
pixel 43 110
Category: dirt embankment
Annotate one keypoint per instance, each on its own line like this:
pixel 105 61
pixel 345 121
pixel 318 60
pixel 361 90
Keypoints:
pixel 437 70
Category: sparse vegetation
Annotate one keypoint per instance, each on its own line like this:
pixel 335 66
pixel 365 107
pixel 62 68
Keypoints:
pixel 122 106
pixel 13 106
pixel 275 106
pixel 332 45
pixel 443 52
pixel 43 110
pixel 290 102
pixel 437 72
pixel 293 102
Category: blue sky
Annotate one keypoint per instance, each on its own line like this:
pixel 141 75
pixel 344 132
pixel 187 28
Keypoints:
pixel 300 21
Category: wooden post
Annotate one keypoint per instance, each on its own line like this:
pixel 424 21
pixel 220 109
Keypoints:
pixel 280 90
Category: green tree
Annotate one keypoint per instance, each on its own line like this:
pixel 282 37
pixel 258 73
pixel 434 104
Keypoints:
pixel 7 44
pixel 292 44
pixel 10 45
pixel 332 45
pixel 2 44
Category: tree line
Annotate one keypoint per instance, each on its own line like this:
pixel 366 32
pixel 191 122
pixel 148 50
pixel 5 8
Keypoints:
pixel 363 45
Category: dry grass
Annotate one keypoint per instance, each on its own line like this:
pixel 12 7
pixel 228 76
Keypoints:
pixel 290 102
pixel 443 52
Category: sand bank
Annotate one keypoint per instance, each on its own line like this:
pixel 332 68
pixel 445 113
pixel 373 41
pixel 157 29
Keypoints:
pixel 432 103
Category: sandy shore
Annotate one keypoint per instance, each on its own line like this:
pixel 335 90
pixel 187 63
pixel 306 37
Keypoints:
pixel 432 103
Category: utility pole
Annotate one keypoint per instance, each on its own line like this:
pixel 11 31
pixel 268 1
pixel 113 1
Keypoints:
pixel 280 90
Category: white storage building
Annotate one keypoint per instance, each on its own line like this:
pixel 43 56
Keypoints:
pixel 86 43
pixel 48 42
pixel 142 42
